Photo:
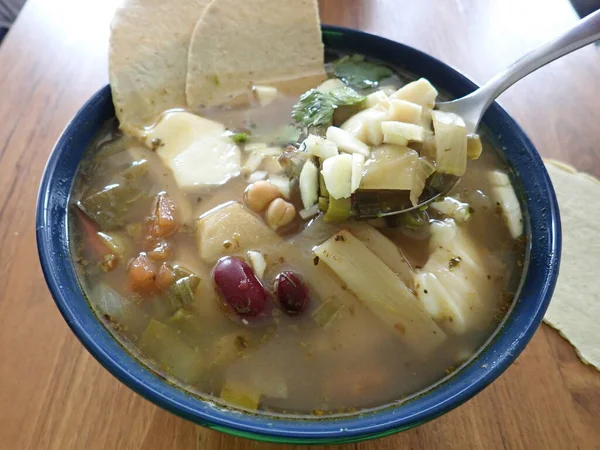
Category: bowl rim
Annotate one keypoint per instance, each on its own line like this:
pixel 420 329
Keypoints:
pixel 494 357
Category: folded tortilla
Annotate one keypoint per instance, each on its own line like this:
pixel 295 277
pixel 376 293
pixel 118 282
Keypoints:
pixel 148 59
pixel 237 44
pixel 575 307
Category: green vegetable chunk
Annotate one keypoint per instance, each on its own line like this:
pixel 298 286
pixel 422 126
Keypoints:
pixel 163 344
pixel 316 109
pixel 181 292
pixel 360 74
pixel 338 210
pixel 110 207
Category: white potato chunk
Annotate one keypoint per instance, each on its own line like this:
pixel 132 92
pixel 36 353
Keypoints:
pixel 404 111
pixel 377 98
pixel 450 143
pixel 346 141
pixel 337 173
pixel 321 148
pixel 265 94
pixel 400 133
pixel 195 149
pixel 366 125
pixel 420 92
pixel 309 184
pixel 358 165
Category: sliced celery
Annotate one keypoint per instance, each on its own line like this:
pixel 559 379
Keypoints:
pixel 338 210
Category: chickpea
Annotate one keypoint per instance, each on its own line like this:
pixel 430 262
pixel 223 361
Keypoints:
pixel 259 194
pixel 280 213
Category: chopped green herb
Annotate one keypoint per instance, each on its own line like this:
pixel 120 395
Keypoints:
pixel 315 108
pixel 360 74
pixel 240 138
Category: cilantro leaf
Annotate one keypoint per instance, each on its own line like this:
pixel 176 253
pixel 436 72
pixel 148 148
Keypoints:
pixel 360 74
pixel 316 108
pixel 240 138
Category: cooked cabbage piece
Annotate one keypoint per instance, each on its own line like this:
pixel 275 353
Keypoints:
pixel 390 167
pixel 457 279
pixel 450 142
pixel 503 194
pixel 381 291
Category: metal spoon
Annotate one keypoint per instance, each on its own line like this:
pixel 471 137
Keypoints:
pixel 472 107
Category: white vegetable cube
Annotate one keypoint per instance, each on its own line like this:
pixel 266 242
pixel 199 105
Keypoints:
pixel 390 167
pixel 450 142
pixel 257 262
pixel 358 165
pixel 195 149
pixel 504 194
pixel 337 173
pixel 253 161
pixel 420 92
pixel 403 111
pixel 346 142
pixel 400 133
pixel 282 183
pixel 265 94
pixel 330 85
pixel 377 98
pixel 309 184
pixel 366 125
pixel 321 148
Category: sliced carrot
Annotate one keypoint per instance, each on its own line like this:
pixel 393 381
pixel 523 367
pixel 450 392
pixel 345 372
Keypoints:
pixel 141 274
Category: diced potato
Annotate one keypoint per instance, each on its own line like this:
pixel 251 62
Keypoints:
pixel 271 165
pixel 504 194
pixel 257 176
pixel 330 85
pixel 358 165
pixel 377 98
pixel 381 291
pixel 309 184
pixel 457 278
pixel 283 184
pixel 258 262
pixel 265 94
pixel 400 133
pixel 420 92
pixel 321 148
pixel 404 111
pixel 337 173
pixel 230 229
pixel 428 149
pixel 450 143
pixel 390 167
pixel 474 147
pixel 366 125
pixel 195 149
pixel 346 141
pixel 253 161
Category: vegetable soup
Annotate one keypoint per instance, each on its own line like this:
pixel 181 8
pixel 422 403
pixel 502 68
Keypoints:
pixel 237 251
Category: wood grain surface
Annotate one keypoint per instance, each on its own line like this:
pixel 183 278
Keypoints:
pixel 54 395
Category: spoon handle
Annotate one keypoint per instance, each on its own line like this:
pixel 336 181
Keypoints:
pixel 584 32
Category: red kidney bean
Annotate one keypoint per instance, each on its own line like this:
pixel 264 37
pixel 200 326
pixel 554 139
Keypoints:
pixel 291 292
pixel 236 282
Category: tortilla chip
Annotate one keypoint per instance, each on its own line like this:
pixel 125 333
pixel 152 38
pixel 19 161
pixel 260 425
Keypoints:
pixel 148 60
pixel 575 307
pixel 237 44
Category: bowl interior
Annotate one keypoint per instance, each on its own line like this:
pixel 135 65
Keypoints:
pixel 542 227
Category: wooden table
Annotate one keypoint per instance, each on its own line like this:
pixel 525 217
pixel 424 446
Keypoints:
pixel 53 394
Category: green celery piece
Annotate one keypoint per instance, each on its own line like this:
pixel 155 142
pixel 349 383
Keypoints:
pixel 338 210
pixel 181 292
pixel 316 109
pixel 327 312
pixel 110 207
pixel 360 74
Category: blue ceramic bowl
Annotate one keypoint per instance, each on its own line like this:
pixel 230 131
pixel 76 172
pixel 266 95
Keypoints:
pixel 543 254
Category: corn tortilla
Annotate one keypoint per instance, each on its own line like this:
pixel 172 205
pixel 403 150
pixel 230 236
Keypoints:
pixel 254 42
pixel 148 59
pixel 575 307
